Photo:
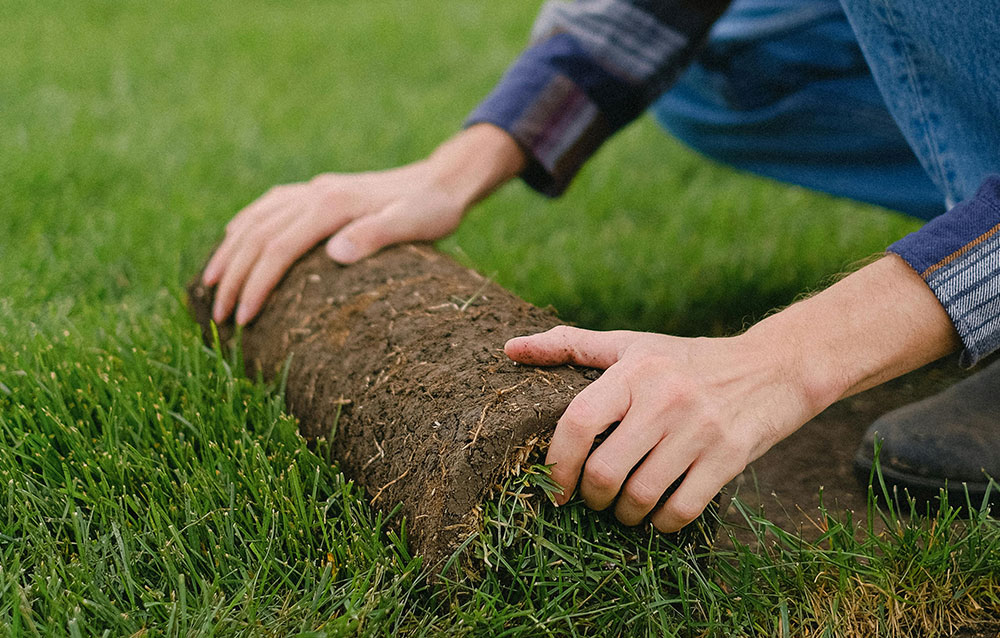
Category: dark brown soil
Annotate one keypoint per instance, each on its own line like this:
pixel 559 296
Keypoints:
pixel 993 631
pixel 400 361
pixel 787 480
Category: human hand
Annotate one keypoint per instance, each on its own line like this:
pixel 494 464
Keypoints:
pixel 366 211
pixel 363 212
pixel 702 408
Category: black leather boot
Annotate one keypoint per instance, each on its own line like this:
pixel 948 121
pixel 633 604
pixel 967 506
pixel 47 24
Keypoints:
pixel 947 441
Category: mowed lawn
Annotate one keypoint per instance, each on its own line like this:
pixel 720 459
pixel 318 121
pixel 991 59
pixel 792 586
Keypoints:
pixel 147 487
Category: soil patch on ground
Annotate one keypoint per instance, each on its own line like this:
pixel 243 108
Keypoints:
pixel 787 481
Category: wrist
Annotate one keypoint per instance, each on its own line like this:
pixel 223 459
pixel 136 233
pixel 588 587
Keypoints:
pixel 474 163
pixel 814 378
pixel 874 325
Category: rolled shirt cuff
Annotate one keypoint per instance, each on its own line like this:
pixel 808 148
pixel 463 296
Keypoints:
pixel 549 112
pixel 593 67
pixel 958 255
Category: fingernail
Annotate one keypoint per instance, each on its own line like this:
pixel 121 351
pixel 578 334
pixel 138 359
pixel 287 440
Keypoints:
pixel 511 343
pixel 242 315
pixel 343 250
pixel 560 498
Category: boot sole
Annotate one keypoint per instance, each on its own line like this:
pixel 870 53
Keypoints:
pixel 923 489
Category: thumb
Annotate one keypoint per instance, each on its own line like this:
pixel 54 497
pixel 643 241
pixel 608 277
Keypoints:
pixel 358 239
pixel 564 344
pixel 394 224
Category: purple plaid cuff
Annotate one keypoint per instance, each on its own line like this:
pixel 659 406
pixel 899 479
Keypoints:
pixel 594 66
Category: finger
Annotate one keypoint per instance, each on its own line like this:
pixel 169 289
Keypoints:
pixel 253 215
pixel 564 344
pixel 703 481
pixel 591 412
pixel 394 224
pixel 258 210
pixel 644 489
pixel 361 238
pixel 249 247
pixel 220 260
pixel 277 255
pixel 609 465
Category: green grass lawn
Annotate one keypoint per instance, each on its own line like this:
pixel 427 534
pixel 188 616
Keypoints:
pixel 148 488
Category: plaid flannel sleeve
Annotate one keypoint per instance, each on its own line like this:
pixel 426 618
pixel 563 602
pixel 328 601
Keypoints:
pixel 593 66
pixel 958 255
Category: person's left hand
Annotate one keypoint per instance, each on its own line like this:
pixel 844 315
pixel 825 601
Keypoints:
pixel 702 408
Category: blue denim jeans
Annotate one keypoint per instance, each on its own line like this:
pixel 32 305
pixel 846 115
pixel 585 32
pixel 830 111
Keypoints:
pixel 877 100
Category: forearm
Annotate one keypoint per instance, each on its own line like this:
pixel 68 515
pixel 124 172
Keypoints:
pixel 874 325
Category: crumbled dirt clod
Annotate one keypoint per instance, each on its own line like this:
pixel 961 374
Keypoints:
pixel 402 355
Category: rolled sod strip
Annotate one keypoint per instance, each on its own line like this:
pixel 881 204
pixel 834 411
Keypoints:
pixel 399 361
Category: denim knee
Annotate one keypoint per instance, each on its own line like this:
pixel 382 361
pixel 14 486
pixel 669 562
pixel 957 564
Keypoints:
pixel 782 89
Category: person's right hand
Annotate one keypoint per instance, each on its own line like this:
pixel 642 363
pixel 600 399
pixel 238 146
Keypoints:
pixel 360 213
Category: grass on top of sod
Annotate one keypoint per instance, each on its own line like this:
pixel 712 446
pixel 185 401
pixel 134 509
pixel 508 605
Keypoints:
pixel 149 488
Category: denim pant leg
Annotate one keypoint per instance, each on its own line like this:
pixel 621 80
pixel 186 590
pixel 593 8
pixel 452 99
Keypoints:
pixel 782 89
pixel 937 65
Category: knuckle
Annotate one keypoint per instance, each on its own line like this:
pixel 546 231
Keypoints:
pixel 327 179
pixel 727 443
pixel 601 475
pixel 682 512
pixel 561 332
pixel 645 359
pixel 580 414
pixel 714 433
pixel 641 494
pixel 255 234
pixel 732 448
pixel 685 389
pixel 679 396
pixel 712 413
pixel 658 371
pixel 329 196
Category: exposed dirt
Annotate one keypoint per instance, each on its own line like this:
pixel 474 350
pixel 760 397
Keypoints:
pixel 403 357
pixel 786 481
pixel 993 631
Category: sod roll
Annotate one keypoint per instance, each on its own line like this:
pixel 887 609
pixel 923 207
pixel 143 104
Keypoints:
pixel 399 361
